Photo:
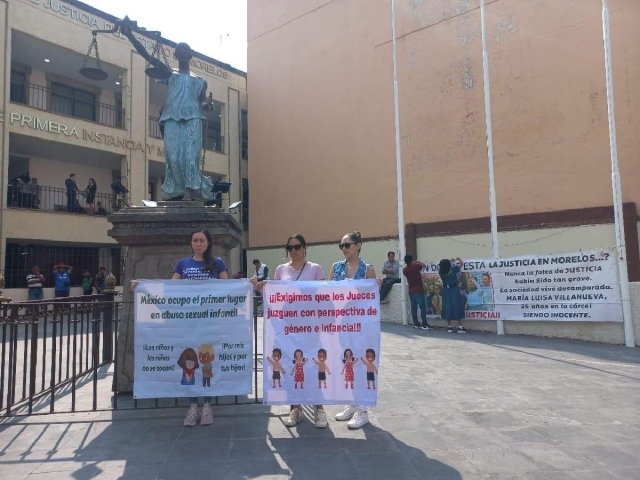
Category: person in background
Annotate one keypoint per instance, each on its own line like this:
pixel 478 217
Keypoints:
pixel 452 299
pixel 100 279
pixel 34 191
pixel 202 265
pixel 237 276
pixel 35 281
pixel 62 277
pixel 416 291
pixel 297 268
pixel 72 192
pixel 352 268
pixel 87 283
pixel 391 270
pixel 90 194
pixel 100 210
pixel 262 271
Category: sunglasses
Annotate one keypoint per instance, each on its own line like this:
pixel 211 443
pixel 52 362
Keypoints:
pixel 290 248
pixel 345 245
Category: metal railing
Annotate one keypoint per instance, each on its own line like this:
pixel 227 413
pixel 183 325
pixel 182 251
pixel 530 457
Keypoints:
pixel 154 127
pixel 214 142
pixel 55 348
pixel 46 99
pixel 54 199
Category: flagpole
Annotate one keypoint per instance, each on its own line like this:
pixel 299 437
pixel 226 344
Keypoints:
pixel 616 184
pixel 396 111
pixel 487 113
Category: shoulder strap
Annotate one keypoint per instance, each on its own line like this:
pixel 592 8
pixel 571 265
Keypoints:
pixel 305 264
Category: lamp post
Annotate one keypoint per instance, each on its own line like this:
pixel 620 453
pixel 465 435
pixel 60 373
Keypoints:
pixel 396 111
pixel 616 184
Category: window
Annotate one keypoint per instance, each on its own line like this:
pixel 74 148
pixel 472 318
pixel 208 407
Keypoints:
pixel 18 93
pixel 212 138
pixel 245 136
pixel 73 102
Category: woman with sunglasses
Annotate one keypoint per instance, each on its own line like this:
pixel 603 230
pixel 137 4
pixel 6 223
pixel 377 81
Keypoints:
pixel 298 268
pixel 352 268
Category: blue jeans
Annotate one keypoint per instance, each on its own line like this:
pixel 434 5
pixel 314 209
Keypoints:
pixel 418 300
pixel 195 400
pixel 35 293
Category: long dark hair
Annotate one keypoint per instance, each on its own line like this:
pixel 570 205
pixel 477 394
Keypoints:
pixel 210 264
pixel 356 237
pixel 300 238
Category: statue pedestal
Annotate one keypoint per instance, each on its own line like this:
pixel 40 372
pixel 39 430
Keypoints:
pixel 155 238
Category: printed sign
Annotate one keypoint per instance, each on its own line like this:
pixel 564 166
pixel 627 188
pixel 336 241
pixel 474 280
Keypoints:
pixel 321 342
pixel 579 286
pixel 193 338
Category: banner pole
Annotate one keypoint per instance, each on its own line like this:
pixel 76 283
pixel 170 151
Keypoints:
pixel 487 113
pixel 616 184
pixel 396 111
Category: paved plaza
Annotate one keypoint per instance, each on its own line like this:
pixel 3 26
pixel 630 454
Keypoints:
pixel 474 406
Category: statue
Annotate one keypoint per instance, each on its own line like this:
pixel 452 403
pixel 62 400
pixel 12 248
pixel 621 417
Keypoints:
pixel 180 121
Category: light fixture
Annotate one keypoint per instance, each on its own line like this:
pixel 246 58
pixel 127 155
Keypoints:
pixel 117 83
pixel 47 60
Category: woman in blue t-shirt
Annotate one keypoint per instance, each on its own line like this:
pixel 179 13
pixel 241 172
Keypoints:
pixel 202 265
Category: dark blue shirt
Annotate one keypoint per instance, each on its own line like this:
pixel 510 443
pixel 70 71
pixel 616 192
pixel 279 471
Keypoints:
pixel 71 185
pixel 63 280
pixel 190 269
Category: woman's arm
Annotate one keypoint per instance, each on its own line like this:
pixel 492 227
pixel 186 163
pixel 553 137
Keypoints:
pixel 223 275
pixel 331 272
pixel 176 276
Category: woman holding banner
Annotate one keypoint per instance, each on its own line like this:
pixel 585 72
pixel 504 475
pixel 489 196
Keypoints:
pixel 352 268
pixel 202 265
pixel 297 268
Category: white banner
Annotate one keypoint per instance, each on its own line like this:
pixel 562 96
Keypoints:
pixel 580 286
pixel 193 338
pixel 321 342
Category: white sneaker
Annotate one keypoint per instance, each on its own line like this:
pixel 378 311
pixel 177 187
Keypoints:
pixel 294 418
pixel 359 420
pixel 207 415
pixel 192 416
pixel 347 413
pixel 321 419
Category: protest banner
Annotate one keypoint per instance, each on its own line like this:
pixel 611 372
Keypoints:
pixel 193 338
pixel 581 286
pixel 321 342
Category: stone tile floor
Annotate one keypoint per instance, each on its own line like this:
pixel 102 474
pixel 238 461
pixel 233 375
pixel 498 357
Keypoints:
pixel 474 406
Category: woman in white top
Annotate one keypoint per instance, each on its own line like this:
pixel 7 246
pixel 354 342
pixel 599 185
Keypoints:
pixel 298 268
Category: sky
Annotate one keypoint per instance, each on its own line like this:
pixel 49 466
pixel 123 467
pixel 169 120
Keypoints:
pixel 216 28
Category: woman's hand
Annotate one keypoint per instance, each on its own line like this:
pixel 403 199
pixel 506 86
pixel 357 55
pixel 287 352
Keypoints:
pixel 379 280
pixel 133 284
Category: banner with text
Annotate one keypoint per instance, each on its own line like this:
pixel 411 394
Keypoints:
pixel 321 342
pixel 193 338
pixel 580 286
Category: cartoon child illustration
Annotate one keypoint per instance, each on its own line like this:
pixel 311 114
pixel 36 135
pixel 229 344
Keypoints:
pixel 370 355
pixel 323 368
pixel 277 367
pixel 205 355
pixel 299 361
pixel 188 361
pixel 347 370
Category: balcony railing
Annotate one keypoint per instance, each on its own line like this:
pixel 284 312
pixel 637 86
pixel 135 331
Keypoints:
pixel 46 99
pixel 212 141
pixel 154 127
pixel 53 199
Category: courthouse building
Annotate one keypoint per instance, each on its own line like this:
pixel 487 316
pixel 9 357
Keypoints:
pixel 56 122
pixel 322 126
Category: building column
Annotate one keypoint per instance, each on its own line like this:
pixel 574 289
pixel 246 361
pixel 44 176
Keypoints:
pixel 5 82
pixel 233 139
